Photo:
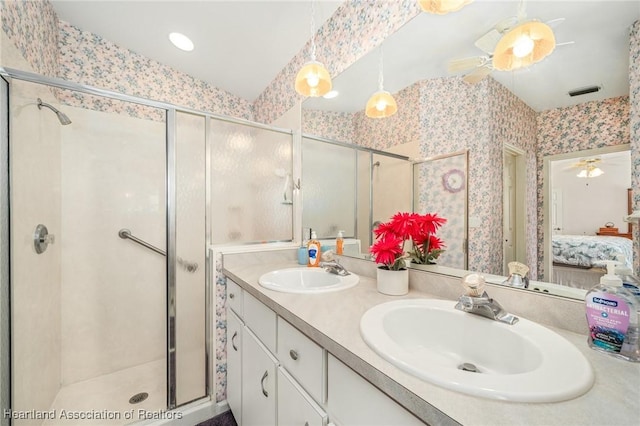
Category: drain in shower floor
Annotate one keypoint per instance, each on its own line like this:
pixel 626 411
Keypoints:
pixel 139 397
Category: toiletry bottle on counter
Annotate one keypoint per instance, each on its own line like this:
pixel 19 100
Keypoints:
pixel 314 250
pixel 302 255
pixel 612 315
pixel 340 243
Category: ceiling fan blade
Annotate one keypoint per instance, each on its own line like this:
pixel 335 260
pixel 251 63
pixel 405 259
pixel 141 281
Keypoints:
pixel 465 64
pixel 477 75
pixel 488 42
pixel 553 23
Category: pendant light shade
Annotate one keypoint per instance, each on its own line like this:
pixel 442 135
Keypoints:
pixel 313 80
pixel 381 105
pixel 524 45
pixel 442 7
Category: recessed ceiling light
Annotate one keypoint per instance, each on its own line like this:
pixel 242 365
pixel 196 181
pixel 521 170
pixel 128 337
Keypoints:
pixel 332 94
pixel 181 41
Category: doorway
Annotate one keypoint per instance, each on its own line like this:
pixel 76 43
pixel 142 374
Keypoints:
pixel 514 206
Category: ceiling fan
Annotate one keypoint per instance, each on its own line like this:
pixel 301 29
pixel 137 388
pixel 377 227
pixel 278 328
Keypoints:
pixel 479 67
pixel 588 167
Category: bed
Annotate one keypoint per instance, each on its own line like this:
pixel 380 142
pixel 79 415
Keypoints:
pixel 578 260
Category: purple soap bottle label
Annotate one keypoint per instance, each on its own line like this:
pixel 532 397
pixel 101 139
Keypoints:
pixel 608 318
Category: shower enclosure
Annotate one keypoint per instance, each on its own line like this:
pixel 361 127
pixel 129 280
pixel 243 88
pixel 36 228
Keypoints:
pixel 351 188
pixel 107 231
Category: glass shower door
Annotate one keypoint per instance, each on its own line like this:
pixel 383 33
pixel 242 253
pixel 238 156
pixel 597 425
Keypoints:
pixel 88 306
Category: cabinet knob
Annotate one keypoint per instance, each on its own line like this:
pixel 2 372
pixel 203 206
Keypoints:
pixel 231 295
pixel 294 355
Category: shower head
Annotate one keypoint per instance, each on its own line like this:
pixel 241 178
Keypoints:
pixel 376 164
pixel 64 120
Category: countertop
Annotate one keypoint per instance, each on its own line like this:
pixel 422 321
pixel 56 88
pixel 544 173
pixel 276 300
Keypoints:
pixel 333 319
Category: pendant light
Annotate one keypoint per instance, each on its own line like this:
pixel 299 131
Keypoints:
pixel 381 104
pixel 313 79
pixel 442 7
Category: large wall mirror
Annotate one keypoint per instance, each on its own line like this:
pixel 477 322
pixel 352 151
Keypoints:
pixel 509 125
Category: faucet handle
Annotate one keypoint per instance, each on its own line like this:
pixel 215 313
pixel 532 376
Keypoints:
pixel 473 285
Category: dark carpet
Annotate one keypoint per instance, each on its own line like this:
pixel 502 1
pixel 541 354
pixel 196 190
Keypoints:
pixel 224 419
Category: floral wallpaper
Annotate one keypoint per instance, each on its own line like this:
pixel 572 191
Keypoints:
pixel 402 127
pixel 448 115
pixel 514 123
pixel 634 101
pixel 585 126
pixel 221 331
pixel 338 126
pixel 357 27
pixel 32 26
pixel 89 59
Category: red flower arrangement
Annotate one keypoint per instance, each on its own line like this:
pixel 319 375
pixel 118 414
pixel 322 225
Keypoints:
pixel 392 236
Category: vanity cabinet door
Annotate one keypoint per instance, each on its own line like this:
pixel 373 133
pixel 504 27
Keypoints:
pixel 353 401
pixel 295 406
pixel 234 365
pixel 259 388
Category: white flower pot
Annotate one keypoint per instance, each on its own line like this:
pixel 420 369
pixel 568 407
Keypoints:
pixel 393 283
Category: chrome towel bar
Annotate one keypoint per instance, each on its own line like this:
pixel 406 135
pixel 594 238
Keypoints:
pixel 187 266
pixel 125 233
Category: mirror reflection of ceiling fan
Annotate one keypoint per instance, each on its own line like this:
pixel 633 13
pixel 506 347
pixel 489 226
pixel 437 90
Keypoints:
pixel 512 44
pixel 588 167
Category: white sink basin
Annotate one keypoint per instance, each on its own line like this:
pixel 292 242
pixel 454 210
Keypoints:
pixel 524 362
pixel 306 280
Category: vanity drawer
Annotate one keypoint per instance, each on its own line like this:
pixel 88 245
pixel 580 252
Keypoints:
pixel 261 320
pixel 303 358
pixel 234 297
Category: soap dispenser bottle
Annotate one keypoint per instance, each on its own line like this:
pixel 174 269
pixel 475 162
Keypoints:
pixel 313 248
pixel 612 316
pixel 340 243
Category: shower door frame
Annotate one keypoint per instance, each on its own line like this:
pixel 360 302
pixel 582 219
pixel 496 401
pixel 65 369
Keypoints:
pixel 7 75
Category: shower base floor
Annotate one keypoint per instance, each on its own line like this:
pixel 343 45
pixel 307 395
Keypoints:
pixel 107 397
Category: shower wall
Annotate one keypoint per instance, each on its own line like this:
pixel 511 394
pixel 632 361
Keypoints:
pixel 36 321
pixel 113 298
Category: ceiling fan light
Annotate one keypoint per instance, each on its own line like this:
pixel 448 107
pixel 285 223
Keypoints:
pixel 596 172
pixel 442 7
pixel 381 105
pixel 590 171
pixel 313 80
pixel 524 45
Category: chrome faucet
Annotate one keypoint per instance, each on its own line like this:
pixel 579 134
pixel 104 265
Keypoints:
pixel 477 301
pixel 334 268
pixel 486 307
